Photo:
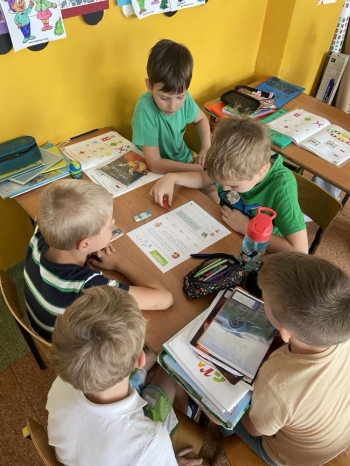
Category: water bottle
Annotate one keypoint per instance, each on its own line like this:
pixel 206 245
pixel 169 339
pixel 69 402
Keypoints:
pixel 255 240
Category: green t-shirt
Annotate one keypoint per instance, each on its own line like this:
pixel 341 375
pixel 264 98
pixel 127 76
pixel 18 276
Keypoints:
pixel 279 191
pixel 151 127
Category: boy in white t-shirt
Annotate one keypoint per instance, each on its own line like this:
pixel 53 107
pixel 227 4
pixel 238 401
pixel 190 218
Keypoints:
pixel 96 417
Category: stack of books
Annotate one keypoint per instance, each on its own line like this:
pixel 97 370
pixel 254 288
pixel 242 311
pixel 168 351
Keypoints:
pixel 52 166
pixel 217 356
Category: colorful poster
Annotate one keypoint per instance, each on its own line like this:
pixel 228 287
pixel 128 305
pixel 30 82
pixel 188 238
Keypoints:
pixel 171 238
pixel 144 8
pixel 33 22
pixel 3 25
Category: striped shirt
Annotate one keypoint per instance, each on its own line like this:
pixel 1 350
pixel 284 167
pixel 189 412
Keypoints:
pixel 50 287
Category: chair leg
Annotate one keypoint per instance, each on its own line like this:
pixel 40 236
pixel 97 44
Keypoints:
pixel 316 241
pixel 345 200
pixel 33 348
pixel 217 455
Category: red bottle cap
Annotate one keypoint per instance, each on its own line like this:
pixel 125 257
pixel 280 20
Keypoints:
pixel 260 227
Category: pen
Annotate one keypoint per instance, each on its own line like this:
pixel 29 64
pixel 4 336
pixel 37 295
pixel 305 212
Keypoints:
pixel 210 267
pixel 200 256
pixel 166 205
pixel 215 273
pixel 220 274
pixel 67 141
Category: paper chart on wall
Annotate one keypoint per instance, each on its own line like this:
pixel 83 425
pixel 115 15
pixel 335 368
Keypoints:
pixel 144 8
pixel 33 22
pixel 170 239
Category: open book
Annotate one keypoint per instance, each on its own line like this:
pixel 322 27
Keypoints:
pixel 240 335
pixel 315 134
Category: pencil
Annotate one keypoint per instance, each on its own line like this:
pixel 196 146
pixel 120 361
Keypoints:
pixel 166 205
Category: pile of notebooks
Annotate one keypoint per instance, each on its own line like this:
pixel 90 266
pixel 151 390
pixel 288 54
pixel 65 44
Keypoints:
pixel 216 357
pixel 52 166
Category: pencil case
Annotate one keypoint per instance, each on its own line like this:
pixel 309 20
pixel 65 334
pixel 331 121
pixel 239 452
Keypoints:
pixel 18 153
pixel 211 276
pixel 247 99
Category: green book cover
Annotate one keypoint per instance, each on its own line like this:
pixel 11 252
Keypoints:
pixel 279 139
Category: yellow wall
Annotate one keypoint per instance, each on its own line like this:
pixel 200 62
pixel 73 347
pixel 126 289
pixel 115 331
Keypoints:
pixel 296 38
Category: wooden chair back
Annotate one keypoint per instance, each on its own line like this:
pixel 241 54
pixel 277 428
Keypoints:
pixel 239 454
pixel 318 204
pixel 188 433
pixel 9 293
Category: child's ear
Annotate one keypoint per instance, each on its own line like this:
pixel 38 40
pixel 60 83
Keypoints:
pixel 141 360
pixel 264 169
pixel 149 85
pixel 83 245
pixel 285 334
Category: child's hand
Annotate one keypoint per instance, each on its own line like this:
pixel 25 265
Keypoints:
pixel 104 261
pixel 109 249
pixel 201 157
pixel 163 188
pixel 235 219
pixel 183 461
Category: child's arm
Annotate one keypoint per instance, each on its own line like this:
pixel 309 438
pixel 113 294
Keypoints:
pixel 239 222
pixel 247 422
pixel 165 186
pixel 158 165
pixel 149 293
pixel 203 131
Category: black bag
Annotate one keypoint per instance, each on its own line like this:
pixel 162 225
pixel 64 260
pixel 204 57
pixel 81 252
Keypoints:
pixel 196 284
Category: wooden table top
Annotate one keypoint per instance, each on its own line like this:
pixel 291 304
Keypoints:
pixel 161 324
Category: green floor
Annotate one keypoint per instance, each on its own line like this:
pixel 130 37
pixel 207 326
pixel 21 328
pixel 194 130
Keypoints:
pixel 12 344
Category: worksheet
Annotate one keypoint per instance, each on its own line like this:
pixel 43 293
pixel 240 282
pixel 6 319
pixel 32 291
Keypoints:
pixel 169 239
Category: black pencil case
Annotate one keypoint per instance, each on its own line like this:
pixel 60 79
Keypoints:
pixel 241 98
pixel 196 285
pixel 18 153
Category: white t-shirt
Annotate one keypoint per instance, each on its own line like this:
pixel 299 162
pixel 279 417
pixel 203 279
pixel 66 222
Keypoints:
pixel 88 434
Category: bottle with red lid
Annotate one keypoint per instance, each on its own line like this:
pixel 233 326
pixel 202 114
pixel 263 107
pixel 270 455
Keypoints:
pixel 256 239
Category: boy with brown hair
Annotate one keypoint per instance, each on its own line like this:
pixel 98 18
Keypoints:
pixel 246 177
pixel 162 113
pixel 96 417
pixel 300 410
pixel 74 220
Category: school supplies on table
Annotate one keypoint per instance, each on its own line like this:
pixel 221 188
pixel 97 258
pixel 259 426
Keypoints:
pixel 281 140
pixel 240 334
pixel 116 233
pixel 18 155
pixel 49 159
pixel 111 161
pixel 315 134
pixel 213 390
pixel 283 91
pixel 248 100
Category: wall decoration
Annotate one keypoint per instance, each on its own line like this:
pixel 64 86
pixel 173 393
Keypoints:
pixel 144 8
pixel 33 22
pixel 82 7
pixel 3 25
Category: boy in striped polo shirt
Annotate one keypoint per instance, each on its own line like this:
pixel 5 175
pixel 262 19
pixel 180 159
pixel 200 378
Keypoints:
pixel 74 220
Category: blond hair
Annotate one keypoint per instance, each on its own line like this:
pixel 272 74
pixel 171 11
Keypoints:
pixel 309 296
pixel 240 147
pixel 96 342
pixel 71 210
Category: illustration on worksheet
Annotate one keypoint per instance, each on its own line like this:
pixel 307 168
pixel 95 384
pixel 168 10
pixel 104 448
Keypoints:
pixel 32 22
pixel 172 237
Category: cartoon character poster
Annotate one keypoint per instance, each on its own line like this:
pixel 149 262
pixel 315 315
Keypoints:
pixel 32 22
pixel 144 8
pixel 3 25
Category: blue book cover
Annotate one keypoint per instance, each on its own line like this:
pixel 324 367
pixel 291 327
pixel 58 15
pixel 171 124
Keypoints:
pixel 283 91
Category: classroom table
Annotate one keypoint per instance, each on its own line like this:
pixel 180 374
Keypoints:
pixel 161 324
pixel 337 176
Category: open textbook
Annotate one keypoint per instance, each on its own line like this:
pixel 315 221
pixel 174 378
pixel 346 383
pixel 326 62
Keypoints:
pixel 315 134
pixel 111 161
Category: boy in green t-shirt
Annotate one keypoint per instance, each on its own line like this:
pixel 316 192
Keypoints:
pixel 246 177
pixel 161 114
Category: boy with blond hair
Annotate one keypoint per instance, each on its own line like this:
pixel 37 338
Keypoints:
pixel 300 410
pixel 74 220
pixel 162 113
pixel 246 177
pixel 96 417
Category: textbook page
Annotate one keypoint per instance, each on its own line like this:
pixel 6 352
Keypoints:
pixel 299 124
pixel 332 144
pixel 171 238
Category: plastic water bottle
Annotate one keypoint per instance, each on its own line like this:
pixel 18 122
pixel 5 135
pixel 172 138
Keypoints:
pixel 255 240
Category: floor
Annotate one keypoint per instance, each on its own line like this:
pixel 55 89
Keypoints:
pixel 23 387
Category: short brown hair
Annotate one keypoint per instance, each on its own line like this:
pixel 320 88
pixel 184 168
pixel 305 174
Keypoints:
pixel 240 147
pixel 309 296
pixel 170 63
pixel 70 210
pixel 96 342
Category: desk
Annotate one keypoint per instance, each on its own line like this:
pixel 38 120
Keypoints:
pixel 338 176
pixel 161 324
